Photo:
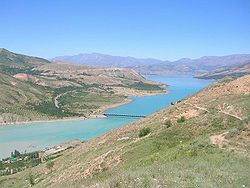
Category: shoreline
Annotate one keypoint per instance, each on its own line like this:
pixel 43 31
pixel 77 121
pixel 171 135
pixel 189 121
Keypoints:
pixel 92 116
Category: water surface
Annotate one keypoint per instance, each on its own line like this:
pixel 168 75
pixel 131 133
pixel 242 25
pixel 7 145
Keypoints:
pixel 35 136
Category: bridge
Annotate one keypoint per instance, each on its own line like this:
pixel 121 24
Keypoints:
pixel 124 115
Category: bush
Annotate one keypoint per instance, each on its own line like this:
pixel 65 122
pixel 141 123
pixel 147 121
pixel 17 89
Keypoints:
pixel 50 165
pixel 168 123
pixel 31 179
pixel 181 119
pixel 144 132
pixel 236 131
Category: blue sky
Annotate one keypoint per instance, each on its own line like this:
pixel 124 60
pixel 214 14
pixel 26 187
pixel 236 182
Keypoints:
pixel 164 29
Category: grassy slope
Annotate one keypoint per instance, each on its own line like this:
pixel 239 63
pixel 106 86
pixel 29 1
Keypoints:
pixel 15 94
pixel 180 155
pixel 13 63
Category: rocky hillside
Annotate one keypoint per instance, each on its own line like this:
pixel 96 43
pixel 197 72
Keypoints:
pixel 237 70
pixel 33 88
pixel 202 141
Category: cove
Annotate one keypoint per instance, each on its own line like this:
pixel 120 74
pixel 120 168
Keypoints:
pixel 36 136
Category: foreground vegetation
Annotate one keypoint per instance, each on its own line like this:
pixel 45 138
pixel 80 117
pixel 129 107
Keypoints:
pixel 18 162
pixel 203 141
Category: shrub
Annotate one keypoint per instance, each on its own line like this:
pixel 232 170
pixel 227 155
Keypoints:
pixel 31 179
pixel 181 119
pixel 144 132
pixel 50 165
pixel 236 131
pixel 168 123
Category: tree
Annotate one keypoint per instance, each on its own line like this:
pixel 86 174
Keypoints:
pixel 15 153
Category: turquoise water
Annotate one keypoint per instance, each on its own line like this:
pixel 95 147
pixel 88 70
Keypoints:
pixel 35 136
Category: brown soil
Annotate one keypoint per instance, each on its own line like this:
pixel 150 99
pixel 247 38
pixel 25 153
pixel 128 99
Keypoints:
pixel 219 140
pixel 190 113
pixel 26 77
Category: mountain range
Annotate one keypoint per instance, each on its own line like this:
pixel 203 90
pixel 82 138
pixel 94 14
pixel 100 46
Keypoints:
pixel 156 66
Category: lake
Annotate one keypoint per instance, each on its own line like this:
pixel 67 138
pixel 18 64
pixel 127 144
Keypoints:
pixel 36 136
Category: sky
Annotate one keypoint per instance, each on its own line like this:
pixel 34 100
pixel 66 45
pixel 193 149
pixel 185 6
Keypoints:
pixel 163 29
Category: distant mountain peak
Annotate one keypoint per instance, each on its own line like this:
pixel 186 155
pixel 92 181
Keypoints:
pixel 4 50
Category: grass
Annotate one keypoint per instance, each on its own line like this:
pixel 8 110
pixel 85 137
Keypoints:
pixel 175 157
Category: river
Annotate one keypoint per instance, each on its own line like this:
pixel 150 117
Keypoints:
pixel 36 136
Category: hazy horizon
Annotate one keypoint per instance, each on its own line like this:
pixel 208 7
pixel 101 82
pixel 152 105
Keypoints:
pixel 82 53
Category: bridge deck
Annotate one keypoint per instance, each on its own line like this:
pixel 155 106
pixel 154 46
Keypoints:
pixel 124 115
